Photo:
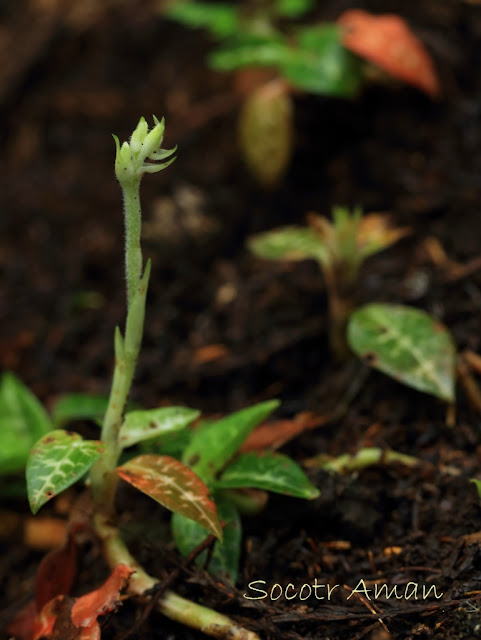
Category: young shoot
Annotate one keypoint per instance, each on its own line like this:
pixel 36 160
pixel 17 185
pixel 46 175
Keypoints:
pixel 340 246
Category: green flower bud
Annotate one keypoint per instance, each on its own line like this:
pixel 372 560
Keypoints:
pixel 126 154
pixel 138 136
pixel 144 145
pixel 153 140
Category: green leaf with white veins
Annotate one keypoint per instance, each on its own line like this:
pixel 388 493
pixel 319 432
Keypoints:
pixel 216 443
pixel 224 560
pixel 23 421
pixel 407 344
pixel 288 243
pixel 56 462
pixel 142 425
pixel 269 471
pixel 174 486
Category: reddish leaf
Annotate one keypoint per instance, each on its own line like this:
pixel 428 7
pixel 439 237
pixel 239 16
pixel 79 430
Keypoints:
pixel 56 572
pixel 174 486
pixel 90 633
pixel 275 434
pixel 104 599
pixel 209 353
pixel 59 620
pixel 388 42
pixel 22 625
pixel 54 621
pixel 55 576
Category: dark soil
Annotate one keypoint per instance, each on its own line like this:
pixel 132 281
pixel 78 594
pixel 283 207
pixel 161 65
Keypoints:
pixel 71 76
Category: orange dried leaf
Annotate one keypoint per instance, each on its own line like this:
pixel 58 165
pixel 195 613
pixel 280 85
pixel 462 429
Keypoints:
pixel 53 581
pixel 275 434
pixel 56 572
pixel 54 621
pixel 59 620
pixel 104 599
pixel 387 42
pixel 90 633
pixel 375 233
pixel 22 625
pixel 209 353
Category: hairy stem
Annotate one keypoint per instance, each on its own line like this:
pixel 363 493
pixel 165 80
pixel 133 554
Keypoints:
pixel 133 251
pixel 103 476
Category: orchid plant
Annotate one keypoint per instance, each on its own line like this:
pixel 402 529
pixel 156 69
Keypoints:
pixel 406 343
pixel 208 463
pixel 340 246
pixel 61 457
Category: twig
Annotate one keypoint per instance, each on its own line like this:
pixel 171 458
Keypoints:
pixel 369 606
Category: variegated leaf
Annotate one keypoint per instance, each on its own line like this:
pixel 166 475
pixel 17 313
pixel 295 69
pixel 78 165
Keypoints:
pixel 215 444
pixel 270 471
pixel 224 561
pixel 407 344
pixel 289 243
pixel 56 462
pixel 142 425
pixel 175 486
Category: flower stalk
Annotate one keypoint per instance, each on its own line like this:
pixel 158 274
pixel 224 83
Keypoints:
pixel 131 162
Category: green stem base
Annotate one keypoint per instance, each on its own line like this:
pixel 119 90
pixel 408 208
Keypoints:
pixel 171 604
